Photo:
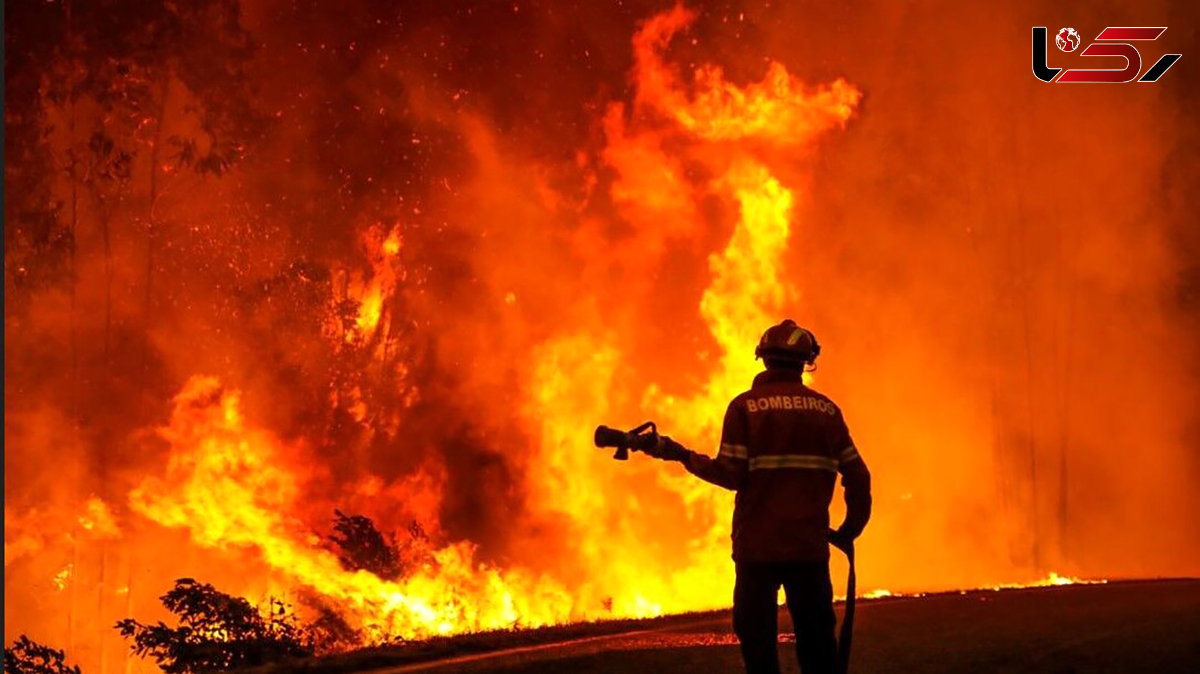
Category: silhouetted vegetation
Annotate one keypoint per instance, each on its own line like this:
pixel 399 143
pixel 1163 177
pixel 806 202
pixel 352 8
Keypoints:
pixel 361 546
pixel 217 631
pixel 26 656
pixel 328 632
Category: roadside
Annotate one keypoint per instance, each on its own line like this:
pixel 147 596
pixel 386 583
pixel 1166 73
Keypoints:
pixel 1132 626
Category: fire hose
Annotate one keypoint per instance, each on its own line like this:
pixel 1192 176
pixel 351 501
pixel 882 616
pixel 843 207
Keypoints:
pixel 847 632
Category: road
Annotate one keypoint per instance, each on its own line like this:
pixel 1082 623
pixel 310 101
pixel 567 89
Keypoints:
pixel 1136 626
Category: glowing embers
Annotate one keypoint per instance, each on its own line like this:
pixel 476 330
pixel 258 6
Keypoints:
pixel 1052 579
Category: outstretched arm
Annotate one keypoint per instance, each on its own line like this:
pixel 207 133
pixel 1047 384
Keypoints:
pixel 726 470
pixel 729 468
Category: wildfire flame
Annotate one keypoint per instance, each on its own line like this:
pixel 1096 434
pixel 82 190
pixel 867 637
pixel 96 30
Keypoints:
pixel 433 349
pixel 233 485
pixel 746 292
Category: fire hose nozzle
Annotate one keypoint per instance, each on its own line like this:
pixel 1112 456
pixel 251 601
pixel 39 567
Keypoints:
pixel 638 439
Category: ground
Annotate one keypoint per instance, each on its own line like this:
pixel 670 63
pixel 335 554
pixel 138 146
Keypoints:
pixel 1135 626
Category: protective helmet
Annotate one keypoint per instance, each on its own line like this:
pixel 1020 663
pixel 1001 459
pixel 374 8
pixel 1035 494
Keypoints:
pixel 789 342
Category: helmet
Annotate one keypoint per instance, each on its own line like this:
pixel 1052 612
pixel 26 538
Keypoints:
pixel 789 342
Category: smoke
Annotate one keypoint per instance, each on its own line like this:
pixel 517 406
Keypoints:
pixel 1002 273
pixel 1003 269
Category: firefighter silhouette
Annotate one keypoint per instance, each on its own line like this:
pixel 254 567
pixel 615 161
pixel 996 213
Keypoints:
pixel 782 447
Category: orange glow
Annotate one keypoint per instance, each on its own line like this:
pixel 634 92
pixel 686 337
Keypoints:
pixel 777 109
pixel 232 486
pixel 374 289
pixel 1051 580
pixel 436 268
pixel 98 519
pixel 747 291
pixel 62 578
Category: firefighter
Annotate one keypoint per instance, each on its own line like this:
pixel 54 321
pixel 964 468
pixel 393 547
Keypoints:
pixel 782 446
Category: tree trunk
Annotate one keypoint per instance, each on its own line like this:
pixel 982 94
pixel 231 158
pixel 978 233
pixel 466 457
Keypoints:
pixel 73 174
pixel 105 220
pixel 152 231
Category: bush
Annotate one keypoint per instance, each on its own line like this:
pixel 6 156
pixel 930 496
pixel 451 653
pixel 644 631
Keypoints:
pixel 216 632
pixel 26 656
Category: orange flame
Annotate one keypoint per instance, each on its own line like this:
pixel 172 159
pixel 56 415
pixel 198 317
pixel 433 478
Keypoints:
pixel 372 291
pixel 747 290
pixel 235 486
pixel 510 275
pixel 231 486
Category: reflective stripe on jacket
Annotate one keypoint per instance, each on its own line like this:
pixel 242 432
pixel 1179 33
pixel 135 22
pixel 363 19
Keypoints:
pixel 782 446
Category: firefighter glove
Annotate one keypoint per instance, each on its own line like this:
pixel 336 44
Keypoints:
pixel 841 539
pixel 668 450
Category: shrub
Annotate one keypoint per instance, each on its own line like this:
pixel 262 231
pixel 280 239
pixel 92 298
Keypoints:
pixel 27 656
pixel 216 631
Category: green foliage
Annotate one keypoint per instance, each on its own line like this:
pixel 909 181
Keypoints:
pixel 26 656
pixel 216 632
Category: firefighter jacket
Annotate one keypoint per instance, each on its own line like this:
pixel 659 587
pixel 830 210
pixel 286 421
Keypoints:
pixel 782 446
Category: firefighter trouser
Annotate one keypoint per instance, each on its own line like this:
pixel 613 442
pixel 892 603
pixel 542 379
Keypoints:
pixel 810 602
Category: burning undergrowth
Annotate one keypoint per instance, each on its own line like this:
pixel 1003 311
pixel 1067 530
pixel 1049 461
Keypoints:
pixel 233 485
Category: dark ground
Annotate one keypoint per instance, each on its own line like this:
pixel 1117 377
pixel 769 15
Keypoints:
pixel 1135 626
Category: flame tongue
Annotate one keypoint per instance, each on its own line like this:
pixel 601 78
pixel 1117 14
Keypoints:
pixel 230 485
pixel 655 569
pixel 237 487
pixel 778 109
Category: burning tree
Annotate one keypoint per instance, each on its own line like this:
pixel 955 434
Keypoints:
pixel 362 546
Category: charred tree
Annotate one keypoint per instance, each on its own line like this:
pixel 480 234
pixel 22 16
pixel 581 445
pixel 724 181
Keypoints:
pixel 361 546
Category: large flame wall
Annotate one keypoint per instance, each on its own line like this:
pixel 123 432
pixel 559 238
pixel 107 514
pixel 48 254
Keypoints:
pixel 449 242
